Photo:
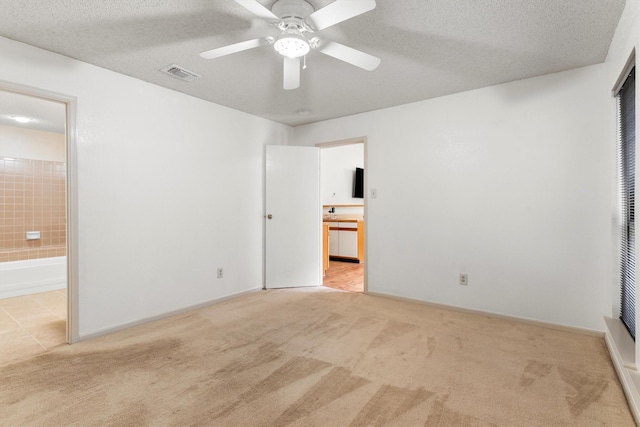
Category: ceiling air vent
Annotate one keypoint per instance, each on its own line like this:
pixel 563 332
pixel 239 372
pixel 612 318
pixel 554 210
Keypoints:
pixel 180 73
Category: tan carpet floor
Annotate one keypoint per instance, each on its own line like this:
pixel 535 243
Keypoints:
pixel 319 357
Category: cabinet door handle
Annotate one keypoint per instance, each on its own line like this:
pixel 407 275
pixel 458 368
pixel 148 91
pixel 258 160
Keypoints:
pixel 269 216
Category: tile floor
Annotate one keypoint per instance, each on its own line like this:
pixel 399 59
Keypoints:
pixel 32 324
pixel 346 276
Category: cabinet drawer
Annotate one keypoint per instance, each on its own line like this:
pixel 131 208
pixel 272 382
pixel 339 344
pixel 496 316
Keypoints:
pixel 343 225
pixel 353 225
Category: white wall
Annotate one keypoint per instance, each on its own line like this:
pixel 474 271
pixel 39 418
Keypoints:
pixel 170 187
pixel 509 184
pixel 31 144
pixel 337 166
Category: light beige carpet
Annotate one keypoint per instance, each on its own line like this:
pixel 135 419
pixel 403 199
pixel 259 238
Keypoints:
pixel 318 357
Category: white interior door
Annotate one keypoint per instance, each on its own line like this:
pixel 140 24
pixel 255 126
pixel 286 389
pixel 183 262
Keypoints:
pixel 293 217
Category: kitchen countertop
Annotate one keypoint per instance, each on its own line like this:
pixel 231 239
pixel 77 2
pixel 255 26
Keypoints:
pixel 342 218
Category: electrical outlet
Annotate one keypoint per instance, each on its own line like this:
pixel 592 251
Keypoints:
pixel 220 273
pixel 464 280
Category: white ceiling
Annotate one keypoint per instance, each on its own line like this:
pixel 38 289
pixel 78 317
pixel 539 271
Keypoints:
pixel 428 48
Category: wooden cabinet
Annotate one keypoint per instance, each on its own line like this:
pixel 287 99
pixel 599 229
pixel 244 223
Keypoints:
pixel 334 238
pixel 325 248
pixel 361 241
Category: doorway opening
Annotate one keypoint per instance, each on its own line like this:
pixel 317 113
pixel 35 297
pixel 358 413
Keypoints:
pixel 35 291
pixel 343 200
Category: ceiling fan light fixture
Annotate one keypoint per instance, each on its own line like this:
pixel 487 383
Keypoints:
pixel 297 20
pixel 292 44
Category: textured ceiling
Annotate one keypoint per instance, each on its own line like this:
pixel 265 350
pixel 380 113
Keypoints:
pixel 428 48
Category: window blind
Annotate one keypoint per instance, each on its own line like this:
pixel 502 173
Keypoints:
pixel 627 168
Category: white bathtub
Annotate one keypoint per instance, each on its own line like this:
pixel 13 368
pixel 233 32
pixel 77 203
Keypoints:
pixel 32 276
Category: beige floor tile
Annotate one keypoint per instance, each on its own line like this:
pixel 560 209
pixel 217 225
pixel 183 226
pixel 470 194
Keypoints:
pixel 31 324
pixel 60 312
pixel 23 302
pixel 53 301
pixel 50 334
pixel 17 344
pixel 11 301
pixel 53 298
pixel 7 322
pixel 44 318
pixel 25 308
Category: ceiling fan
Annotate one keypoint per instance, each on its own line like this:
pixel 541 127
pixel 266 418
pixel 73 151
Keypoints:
pixel 298 21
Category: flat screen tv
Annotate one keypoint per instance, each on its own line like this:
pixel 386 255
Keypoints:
pixel 358 184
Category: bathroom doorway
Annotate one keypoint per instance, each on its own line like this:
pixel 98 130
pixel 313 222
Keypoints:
pixel 343 185
pixel 34 285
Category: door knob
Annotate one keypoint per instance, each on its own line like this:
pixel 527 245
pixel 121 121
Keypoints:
pixel 269 216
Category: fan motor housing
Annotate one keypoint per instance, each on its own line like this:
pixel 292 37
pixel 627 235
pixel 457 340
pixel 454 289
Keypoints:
pixel 297 9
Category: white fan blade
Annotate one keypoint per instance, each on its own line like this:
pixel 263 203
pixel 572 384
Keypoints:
pixel 257 9
pixel 291 73
pixel 233 48
pixel 348 54
pixel 338 11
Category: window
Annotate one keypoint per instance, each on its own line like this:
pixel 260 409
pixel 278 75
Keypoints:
pixel 627 165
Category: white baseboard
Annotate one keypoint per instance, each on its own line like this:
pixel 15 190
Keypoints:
pixel 556 326
pixel 127 325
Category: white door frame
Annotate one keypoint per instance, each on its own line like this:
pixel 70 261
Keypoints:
pixel 351 141
pixel 70 103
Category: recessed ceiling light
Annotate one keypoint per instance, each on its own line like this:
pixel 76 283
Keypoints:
pixel 22 119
